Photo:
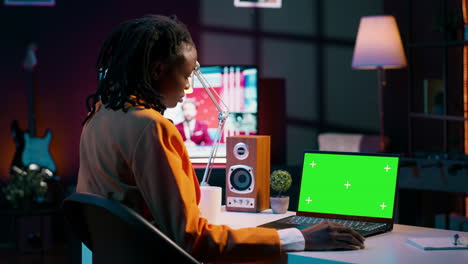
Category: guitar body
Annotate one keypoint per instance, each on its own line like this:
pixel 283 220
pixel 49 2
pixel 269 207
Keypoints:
pixel 36 151
pixel 31 149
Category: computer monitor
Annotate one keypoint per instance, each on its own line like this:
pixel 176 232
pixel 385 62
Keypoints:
pixel 237 86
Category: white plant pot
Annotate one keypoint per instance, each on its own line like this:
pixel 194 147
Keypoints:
pixel 279 205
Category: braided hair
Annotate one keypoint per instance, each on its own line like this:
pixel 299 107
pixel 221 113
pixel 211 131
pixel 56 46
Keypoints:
pixel 124 65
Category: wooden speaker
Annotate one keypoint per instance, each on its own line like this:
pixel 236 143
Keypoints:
pixel 247 173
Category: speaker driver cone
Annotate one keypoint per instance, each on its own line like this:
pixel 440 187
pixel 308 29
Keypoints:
pixel 241 179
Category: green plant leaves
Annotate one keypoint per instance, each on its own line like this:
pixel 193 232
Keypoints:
pixel 280 181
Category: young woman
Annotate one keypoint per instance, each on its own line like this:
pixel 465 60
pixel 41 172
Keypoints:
pixel 129 151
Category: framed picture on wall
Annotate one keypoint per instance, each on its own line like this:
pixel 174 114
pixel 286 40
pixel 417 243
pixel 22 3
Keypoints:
pixel 29 2
pixel 258 3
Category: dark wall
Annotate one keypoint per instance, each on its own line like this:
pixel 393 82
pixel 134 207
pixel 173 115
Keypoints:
pixel 396 102
pixel 68 37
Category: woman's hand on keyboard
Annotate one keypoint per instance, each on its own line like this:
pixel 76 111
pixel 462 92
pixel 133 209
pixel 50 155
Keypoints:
pixel 328 235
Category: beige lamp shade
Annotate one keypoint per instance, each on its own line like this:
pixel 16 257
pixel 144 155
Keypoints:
pixel 378 44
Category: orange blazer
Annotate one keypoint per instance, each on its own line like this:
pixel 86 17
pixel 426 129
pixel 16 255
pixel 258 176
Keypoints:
pixel 139 157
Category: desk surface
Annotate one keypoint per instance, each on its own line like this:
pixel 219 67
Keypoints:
pixel 384 248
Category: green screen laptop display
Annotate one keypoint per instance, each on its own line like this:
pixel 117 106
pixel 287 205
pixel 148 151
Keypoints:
pixel 348 184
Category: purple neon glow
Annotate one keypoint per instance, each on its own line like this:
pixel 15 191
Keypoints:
pixel 30 3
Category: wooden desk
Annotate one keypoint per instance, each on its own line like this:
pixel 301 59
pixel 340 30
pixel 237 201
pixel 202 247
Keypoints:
pixel 384 248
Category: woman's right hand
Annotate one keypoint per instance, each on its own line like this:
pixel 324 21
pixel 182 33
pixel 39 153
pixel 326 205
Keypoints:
pixel 328 235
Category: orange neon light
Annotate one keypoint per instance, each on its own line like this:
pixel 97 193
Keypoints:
pixel 466 205
pixel 464 10
pixel 465 77
pixel 465 94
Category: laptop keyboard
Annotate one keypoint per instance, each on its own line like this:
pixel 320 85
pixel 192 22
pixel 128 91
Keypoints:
pixel 307 220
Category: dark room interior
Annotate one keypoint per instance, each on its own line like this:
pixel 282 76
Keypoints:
pixel 310 96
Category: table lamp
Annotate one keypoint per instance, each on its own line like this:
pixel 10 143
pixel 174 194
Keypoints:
pixel 379 46
pixel 223 113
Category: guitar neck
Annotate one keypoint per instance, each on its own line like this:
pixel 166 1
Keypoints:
pixel 30 62
pixel 31 112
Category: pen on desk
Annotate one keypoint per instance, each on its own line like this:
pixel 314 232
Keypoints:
pixel 455 239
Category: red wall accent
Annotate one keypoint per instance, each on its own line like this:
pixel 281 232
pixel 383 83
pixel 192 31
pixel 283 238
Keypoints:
pixel 68 37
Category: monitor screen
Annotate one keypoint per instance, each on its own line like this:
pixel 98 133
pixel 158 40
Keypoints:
pixel 196 117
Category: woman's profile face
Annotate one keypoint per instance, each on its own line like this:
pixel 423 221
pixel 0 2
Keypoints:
pixel 175 80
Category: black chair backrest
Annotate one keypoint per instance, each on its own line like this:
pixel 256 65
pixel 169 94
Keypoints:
pixel 117 234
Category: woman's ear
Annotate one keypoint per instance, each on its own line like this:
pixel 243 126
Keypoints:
pixel 157 68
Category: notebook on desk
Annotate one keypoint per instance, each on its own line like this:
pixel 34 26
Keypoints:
pixel 351 188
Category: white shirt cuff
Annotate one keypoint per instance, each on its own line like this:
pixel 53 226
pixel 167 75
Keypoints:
pixel 291 239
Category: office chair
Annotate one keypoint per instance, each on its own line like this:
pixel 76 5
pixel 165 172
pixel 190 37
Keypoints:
pixel 117 234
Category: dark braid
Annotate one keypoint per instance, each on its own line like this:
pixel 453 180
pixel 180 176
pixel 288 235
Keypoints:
pixel 125 59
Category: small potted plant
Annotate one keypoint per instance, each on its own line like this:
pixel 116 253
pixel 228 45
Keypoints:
pixel 27 185
pixel 280 181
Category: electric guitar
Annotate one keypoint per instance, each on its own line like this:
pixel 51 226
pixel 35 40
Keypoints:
pixel 31 149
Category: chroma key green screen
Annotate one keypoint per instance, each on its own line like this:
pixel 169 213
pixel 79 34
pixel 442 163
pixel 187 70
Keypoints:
pixel 348 184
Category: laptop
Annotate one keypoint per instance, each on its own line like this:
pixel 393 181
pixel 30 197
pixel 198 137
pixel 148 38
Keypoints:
pixel 351 188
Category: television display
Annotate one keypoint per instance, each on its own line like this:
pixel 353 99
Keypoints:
pixel 196 117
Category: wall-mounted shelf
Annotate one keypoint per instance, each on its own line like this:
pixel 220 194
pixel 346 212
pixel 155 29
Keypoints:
pixel 438 44
pixel 437 117
pixel 434 175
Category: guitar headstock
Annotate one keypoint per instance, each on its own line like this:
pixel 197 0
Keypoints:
pixel 30 60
